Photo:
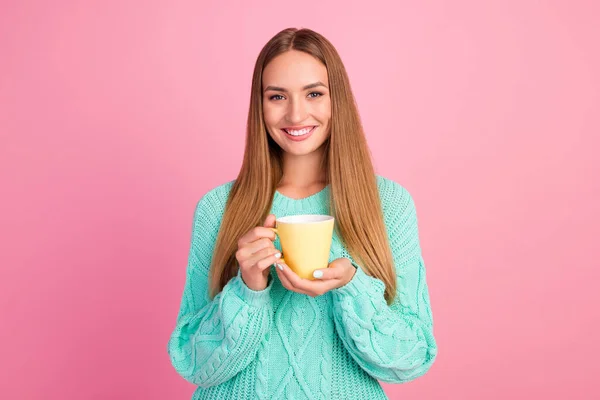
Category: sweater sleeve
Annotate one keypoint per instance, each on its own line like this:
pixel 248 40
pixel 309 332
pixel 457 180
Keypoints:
pixel 392 343
pixel 215 339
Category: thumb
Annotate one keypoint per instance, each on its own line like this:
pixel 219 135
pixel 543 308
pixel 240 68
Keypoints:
pixel 270 221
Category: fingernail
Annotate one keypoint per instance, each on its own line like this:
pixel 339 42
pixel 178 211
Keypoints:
pixel 318 274
pixel 280 266
pixel 277 255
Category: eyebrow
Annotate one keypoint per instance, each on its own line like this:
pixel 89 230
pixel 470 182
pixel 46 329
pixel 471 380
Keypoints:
pixel 311 86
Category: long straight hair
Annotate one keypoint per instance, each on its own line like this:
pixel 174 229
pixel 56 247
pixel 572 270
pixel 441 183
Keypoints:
pixel 354 201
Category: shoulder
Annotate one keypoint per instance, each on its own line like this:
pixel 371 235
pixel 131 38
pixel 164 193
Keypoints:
pixel 395 198
pixel 217 197
pixel 212 203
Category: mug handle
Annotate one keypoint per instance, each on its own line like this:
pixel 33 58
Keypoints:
pixel 277 233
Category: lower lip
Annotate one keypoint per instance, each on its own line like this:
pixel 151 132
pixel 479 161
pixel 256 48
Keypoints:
pixel 299 138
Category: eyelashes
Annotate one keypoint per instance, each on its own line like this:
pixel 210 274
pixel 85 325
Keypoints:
pixel 311 95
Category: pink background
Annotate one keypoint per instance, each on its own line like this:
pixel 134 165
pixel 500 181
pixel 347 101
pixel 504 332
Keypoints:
pixel 117 116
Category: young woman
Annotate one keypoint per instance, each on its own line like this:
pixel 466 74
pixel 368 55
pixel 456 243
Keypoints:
pixel 248 326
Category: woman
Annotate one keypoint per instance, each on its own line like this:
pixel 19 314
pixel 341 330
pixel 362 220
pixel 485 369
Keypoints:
pixel 248 326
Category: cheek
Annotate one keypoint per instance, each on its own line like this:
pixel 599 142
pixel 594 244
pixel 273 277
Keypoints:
pixel 324 112
pixel 271 115
pixel 267 114
pixel 272 118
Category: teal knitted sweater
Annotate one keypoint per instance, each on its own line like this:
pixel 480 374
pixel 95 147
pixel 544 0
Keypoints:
pixel 278 344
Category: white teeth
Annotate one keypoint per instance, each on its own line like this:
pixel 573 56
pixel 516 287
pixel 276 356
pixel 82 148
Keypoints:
pixel 300 132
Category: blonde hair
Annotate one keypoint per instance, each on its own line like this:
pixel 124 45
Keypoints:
pixel 354 198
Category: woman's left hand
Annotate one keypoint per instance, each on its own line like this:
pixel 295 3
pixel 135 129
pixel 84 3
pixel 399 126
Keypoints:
pixel 338 273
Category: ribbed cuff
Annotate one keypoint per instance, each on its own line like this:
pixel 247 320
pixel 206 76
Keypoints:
pixel 360 283
pixel 251 297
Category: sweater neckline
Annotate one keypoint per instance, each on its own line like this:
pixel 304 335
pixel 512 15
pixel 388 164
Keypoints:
pixel 317 199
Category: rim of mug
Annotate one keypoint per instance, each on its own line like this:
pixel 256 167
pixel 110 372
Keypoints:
pixel 302 219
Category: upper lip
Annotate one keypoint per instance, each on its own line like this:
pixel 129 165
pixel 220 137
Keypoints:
pixel 297 128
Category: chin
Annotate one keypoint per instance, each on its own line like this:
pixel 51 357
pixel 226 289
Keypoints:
pixel 301 149
pixel 296 152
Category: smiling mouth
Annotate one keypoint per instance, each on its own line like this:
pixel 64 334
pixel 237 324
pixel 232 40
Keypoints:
pixel 299 132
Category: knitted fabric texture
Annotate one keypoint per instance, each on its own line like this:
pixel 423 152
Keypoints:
pixel 278 344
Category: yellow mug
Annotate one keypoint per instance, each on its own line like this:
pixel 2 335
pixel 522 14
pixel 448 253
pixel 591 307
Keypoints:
pixel 305 242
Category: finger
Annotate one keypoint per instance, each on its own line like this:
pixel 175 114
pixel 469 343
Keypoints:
pixel 286 282
pixel 256 233
pixel 270 221
pixel 292 277
pixel 307 286
pixel 328 273
pixel 268 261
pixel 249 249
pixel 259 245
pixel 263 254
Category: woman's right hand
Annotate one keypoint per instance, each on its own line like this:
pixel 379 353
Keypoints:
pixel 256 253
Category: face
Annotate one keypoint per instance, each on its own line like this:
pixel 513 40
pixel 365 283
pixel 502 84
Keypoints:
pixel 296 102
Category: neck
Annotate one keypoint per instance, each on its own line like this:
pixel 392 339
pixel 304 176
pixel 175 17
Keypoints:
pixel 303 171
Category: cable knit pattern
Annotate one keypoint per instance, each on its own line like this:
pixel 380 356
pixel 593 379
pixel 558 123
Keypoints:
pixel 276 344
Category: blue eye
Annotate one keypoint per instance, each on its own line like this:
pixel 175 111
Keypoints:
pixel 312 95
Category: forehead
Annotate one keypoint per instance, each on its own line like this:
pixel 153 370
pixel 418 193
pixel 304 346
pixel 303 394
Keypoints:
pixel 294 70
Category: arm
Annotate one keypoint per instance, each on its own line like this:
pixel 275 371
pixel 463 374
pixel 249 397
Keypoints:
pixel 214 340
pixel 392 343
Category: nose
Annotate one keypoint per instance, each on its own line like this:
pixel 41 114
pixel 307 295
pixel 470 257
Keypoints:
pixel 297 111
